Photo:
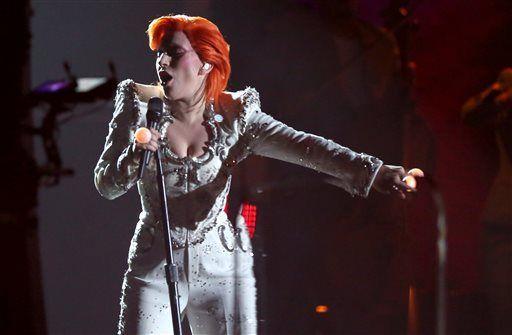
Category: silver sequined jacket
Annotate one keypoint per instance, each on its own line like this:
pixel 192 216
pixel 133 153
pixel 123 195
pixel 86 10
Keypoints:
pixel 197 187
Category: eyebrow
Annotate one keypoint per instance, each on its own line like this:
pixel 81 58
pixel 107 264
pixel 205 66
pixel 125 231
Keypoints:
pixel 170 45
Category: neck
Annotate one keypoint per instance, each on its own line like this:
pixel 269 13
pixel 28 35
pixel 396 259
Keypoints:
pixel 187 111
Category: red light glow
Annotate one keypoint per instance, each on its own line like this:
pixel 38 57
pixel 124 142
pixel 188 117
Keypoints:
pixel 249 214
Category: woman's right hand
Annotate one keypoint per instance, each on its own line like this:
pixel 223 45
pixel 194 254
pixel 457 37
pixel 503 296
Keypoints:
pixel 153 144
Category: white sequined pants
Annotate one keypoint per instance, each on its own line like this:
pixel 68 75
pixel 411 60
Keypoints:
pixel 216 286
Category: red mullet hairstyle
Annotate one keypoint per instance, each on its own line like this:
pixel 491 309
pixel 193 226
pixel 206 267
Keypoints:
pixel 207 41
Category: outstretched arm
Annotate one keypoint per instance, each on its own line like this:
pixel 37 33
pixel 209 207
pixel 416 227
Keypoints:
pixel 354 172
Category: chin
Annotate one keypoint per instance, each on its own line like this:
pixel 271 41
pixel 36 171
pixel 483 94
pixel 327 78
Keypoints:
pixel 169 93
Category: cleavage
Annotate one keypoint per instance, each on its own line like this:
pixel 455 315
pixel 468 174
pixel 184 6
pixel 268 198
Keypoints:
pixel 187 141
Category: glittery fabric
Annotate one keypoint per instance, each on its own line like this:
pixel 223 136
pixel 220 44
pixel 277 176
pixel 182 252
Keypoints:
pixel 217 291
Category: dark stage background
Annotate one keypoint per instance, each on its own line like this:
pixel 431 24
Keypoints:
pixel 323 67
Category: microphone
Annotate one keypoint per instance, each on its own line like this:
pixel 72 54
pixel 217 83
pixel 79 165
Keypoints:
pixel 153 116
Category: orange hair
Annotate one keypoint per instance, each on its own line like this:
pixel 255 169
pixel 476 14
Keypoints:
pixel 207 41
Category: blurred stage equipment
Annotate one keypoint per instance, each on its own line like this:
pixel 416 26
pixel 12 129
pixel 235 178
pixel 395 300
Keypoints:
pixel 21 293
pixel 60 97
pixel 398 19
pixel 490 111
pixel 442 251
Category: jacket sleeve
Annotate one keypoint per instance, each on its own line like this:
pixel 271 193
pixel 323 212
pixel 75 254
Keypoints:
pixel 354 172
pixel 116 170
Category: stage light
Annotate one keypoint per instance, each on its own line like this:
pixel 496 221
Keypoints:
pixel 321 309
pixel 249 214
pixel 58 98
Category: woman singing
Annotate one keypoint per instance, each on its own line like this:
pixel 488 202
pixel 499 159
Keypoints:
pixel 204 133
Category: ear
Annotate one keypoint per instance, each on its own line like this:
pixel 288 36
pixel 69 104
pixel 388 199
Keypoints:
pixel 207 67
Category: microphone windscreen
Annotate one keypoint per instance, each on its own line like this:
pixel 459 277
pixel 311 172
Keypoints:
pixel 155 109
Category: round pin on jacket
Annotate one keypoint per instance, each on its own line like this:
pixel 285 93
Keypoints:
pixel 218 118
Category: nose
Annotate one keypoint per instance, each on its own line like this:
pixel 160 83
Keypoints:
pixel 164 60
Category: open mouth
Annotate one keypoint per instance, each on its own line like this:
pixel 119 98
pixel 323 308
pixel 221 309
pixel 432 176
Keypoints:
pixel 164 77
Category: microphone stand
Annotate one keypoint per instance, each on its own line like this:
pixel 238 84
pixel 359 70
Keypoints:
pixel 153 117
pixel 171 269
pixel 442 249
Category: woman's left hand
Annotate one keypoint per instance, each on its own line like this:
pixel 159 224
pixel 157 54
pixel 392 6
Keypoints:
pixel 390 180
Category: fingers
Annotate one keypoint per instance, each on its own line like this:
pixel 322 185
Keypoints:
pixel 401 195
pixel 153 143
pixel 404 183
pixel 401 172
pixel 410 178
pixel 401 188
pixel 415 172
pixel 410 181
pixel 395 181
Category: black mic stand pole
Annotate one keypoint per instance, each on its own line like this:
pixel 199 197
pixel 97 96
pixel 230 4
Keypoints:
pixel 154 114
pixel 171 269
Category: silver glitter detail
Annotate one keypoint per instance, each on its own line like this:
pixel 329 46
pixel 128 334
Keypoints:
pixel 223 240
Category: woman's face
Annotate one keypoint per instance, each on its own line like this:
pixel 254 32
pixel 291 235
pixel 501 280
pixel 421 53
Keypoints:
pixel 179 69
